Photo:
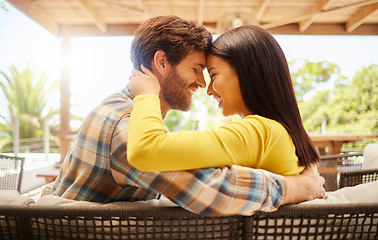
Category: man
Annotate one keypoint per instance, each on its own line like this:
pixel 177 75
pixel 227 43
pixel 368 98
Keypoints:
pixel 96 166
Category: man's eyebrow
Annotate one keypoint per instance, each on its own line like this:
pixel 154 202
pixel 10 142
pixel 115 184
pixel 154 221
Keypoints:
pixel 209 69
pixel 201 65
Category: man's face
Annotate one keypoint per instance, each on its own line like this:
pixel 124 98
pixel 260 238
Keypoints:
pixel 182 82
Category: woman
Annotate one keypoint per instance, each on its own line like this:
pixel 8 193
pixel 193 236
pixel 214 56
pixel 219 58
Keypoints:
pixel 249 77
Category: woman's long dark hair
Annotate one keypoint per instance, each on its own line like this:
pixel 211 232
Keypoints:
pixel 265 82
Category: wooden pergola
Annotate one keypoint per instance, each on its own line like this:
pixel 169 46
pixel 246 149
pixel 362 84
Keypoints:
pixel 72 18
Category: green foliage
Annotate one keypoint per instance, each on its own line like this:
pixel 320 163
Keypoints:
pixel 3 6
pixel 314 111
pixel 352 106
pixel 311 74
pixel 27 97
pixel 172 120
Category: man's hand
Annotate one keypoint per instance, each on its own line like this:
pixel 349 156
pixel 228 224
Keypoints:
pixel 307 186
pixel 143 82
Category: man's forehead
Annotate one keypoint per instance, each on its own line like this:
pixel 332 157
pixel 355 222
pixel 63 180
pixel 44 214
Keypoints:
pixel 196 58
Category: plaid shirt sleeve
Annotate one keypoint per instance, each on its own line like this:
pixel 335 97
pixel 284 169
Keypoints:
pixel 215 191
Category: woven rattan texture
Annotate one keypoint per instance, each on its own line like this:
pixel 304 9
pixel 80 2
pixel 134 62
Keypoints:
pixel 122 223
pixel 353 178
pixel 338 221
pixel 331 221
pixel 11 170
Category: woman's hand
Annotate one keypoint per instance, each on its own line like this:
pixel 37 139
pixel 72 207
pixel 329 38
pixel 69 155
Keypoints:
pixel 143 82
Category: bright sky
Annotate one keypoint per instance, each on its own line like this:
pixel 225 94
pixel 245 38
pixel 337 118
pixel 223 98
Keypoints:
pixel 101 65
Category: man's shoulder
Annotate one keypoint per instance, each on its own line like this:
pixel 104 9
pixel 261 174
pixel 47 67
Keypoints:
pixel 107 116
pixel 117 105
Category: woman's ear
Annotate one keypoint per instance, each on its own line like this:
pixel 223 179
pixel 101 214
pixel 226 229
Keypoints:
pixel 161 63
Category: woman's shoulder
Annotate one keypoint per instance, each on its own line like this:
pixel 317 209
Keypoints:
pixel 262 120
pixel 271 127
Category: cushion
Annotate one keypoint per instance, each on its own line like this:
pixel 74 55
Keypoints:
pixel 56 200
pixel 362 193
pixel 14 199
pixel 370 156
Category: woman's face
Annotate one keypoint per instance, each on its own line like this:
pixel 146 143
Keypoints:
pixel 224 87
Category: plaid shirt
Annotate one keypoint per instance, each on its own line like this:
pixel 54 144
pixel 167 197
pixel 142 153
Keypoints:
pixel 96 169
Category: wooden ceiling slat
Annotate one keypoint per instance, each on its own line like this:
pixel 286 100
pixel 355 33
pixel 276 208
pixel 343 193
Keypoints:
pixel 122 7
pixel 325 29
pixel 56 14
pixel 361 17
pixel 261 9
pixel 310 15
pixel 200 11
pixel 323 5
pixel 37 15
pixel 96 19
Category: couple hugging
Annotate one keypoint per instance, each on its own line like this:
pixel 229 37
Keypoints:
pixel 122 151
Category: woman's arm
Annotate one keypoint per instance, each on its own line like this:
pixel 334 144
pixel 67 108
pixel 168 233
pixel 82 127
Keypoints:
pixel 151 148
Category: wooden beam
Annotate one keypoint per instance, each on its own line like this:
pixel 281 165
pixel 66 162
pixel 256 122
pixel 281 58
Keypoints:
pixel 326 29
pixel 112 30
pixel 145 10
pixel 310 15
pixel 289 29
pixel 200 12
pixel 261 9
pixel 358 19
pixel 65 94
pixel 322 5
pixel 34 13
pixel 96 19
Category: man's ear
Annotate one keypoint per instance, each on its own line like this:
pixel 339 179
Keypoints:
pixel 161 63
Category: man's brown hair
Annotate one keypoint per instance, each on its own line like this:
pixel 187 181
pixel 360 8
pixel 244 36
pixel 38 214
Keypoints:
pixel 174 35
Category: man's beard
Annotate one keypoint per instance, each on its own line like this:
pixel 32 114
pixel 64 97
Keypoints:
pixel 175 92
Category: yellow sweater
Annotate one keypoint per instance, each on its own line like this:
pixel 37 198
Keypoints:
pixel 254 141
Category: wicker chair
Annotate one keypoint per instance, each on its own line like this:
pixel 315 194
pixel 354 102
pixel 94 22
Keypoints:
pixel 93 222
pixel 335 221
pixel 11 170
pixel 331 168
pixel 329 221
pixel 355 177
pixel 345 170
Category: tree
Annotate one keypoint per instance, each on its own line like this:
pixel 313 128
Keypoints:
pixel 356 104
pixel 315 111
pixel 26 96
pixel 311 74
pixel 351 107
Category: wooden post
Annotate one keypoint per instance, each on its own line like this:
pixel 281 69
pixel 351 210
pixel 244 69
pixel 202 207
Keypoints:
pixel 65 94
pixel 16 135
pixel 46 142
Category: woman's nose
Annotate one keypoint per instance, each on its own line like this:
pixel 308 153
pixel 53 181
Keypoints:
pixel 210 88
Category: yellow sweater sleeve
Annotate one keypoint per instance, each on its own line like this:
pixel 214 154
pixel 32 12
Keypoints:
pixel 151 148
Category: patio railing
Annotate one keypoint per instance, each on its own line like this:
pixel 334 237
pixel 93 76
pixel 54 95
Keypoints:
pixel 41 144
